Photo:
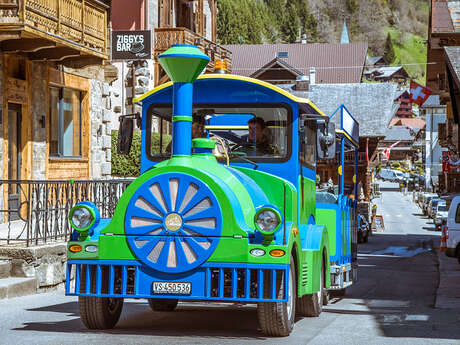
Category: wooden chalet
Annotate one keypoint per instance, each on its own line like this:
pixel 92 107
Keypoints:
pixel 53 88
pixel 443 77
pixel 185 22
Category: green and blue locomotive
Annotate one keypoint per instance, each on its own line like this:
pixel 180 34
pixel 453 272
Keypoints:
pixel 229 216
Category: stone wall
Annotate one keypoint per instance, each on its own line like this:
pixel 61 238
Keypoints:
pixel 101 116
pixel 38 106
pixel 47 263
pixel 208 16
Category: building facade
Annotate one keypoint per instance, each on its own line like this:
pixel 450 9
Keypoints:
pixel 171 22
pixel 54 90
pixel 443 72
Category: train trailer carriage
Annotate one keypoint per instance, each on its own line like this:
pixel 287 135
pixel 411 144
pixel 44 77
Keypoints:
pixel 230 216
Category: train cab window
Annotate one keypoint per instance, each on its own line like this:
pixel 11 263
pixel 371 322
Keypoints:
pixel 259 131
pixel 159 138
pixel 308 145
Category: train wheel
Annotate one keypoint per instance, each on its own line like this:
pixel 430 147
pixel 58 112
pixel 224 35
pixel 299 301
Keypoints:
pixel 100 312
pixel 277 318
pixel 163 304
pixel 312 304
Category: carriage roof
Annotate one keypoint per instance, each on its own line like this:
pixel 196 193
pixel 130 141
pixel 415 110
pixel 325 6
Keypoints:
pixel 304 104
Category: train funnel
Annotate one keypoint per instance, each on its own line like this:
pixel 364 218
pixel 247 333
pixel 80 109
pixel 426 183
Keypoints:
pixel 183 63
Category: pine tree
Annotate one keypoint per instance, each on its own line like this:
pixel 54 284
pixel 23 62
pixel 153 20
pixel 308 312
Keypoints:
pixel 389 55
pixel 307 21
pixel 290 27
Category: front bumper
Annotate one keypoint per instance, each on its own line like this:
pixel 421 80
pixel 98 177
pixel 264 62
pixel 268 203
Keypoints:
pixel 211 281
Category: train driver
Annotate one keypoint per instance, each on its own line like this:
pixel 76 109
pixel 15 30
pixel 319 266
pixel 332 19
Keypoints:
pixel 259 135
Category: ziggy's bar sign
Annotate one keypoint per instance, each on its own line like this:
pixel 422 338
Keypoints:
pixel 131 45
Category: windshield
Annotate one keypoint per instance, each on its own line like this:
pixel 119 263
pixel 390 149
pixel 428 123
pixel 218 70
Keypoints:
pixel 258 132
pixel 442 208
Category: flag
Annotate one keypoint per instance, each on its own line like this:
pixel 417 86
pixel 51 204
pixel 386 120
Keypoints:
pixel 418 93
pixel 367 151
pixel 445 161
pixel 387 150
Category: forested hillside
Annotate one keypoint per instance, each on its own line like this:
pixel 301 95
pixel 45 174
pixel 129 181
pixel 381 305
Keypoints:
pixel 400 23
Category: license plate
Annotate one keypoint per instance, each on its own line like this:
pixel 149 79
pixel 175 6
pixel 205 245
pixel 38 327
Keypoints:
pixel 172 288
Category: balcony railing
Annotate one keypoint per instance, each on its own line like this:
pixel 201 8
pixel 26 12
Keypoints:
pixel 349 159
pixel 164 38
pixel 77 24
pixel 41 215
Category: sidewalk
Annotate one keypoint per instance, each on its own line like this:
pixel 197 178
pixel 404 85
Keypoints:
pixel 448 293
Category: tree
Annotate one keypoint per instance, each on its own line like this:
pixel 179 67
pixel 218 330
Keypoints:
pixel 389 55
pixel 290 27
pixel 307 21
pixel 242 21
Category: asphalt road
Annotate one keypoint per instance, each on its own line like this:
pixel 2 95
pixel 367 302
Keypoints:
pixel 391 304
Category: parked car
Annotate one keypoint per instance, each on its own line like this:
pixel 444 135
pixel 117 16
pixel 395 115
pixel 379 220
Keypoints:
pixel 363 229
pixel 391 175
pixel 441 215
pixel 431 208
pixel 453 229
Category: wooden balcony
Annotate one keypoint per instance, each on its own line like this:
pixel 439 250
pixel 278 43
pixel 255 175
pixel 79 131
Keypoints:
pixel 164 38
pixel 349 159
pixel 72 32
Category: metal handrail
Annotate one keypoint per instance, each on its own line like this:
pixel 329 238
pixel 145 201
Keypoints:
pixel 41 214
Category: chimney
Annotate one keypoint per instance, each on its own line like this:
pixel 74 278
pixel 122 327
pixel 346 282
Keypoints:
pixel 302 83
pixel 312 75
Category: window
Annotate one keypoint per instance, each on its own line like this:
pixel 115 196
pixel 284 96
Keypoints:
pixel 457 214
pixel 308 145
pixel 260 132
pixel 65 122
pixel 159 142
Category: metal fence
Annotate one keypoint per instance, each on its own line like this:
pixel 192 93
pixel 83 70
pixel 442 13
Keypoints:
pixel 36 212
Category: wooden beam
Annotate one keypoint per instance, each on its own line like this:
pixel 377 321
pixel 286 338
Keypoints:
pixel 9 35
pixel 28 45
pixel 82 61
pixel 55 54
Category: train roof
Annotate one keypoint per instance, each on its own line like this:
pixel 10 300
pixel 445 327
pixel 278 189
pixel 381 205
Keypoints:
pixel 301 101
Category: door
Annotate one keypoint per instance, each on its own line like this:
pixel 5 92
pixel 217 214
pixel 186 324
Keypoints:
pixel 14 158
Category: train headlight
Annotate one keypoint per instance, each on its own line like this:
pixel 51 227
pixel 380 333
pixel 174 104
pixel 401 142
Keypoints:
pixel 267 220
pixel 82 216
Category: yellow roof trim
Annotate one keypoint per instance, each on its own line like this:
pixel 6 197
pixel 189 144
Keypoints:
pixel 237 77
pixel 348 137
pixel 151 92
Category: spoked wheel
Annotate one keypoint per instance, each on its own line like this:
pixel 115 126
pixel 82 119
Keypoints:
pixel 158 304
pixel 100 312
pixel 277 318
pixel 312 304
